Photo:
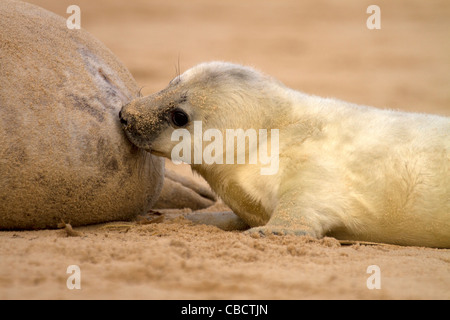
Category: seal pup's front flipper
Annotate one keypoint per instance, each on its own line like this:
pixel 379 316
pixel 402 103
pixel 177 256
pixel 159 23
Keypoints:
pixel 294 216
pixel 225 220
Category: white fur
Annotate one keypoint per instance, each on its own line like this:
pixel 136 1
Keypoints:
pixel 348 171
pixel 362 172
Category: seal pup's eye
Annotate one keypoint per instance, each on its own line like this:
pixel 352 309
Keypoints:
pixel 179 118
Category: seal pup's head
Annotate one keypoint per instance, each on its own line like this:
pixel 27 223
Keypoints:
pixel 220 95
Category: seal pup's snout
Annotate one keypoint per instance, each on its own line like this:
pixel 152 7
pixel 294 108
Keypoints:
pixel 123 121
pixel 128 121
pixel 143 121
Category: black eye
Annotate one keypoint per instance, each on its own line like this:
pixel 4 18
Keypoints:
pixel 179 118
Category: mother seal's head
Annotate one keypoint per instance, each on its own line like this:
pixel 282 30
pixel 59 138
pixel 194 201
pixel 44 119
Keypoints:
pixel 221 95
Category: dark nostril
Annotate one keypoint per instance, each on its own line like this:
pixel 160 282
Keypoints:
pixel 122 120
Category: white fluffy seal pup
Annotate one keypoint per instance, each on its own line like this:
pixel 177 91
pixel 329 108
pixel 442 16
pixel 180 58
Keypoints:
pixel 344 170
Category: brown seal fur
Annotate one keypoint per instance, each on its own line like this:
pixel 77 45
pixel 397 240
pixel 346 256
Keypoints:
pixel 63 154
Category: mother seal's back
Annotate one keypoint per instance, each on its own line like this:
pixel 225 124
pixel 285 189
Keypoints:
pixel 63 155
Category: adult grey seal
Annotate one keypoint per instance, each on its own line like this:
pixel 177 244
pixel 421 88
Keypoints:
pixel 63 154
pixel 348 171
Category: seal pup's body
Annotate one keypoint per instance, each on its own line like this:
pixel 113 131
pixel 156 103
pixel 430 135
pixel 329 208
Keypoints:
pixel 348 171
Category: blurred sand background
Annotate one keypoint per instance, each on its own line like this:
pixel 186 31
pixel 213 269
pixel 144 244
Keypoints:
pixel 319 47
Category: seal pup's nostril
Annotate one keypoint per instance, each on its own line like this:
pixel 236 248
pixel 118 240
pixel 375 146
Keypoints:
pixel 122 120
